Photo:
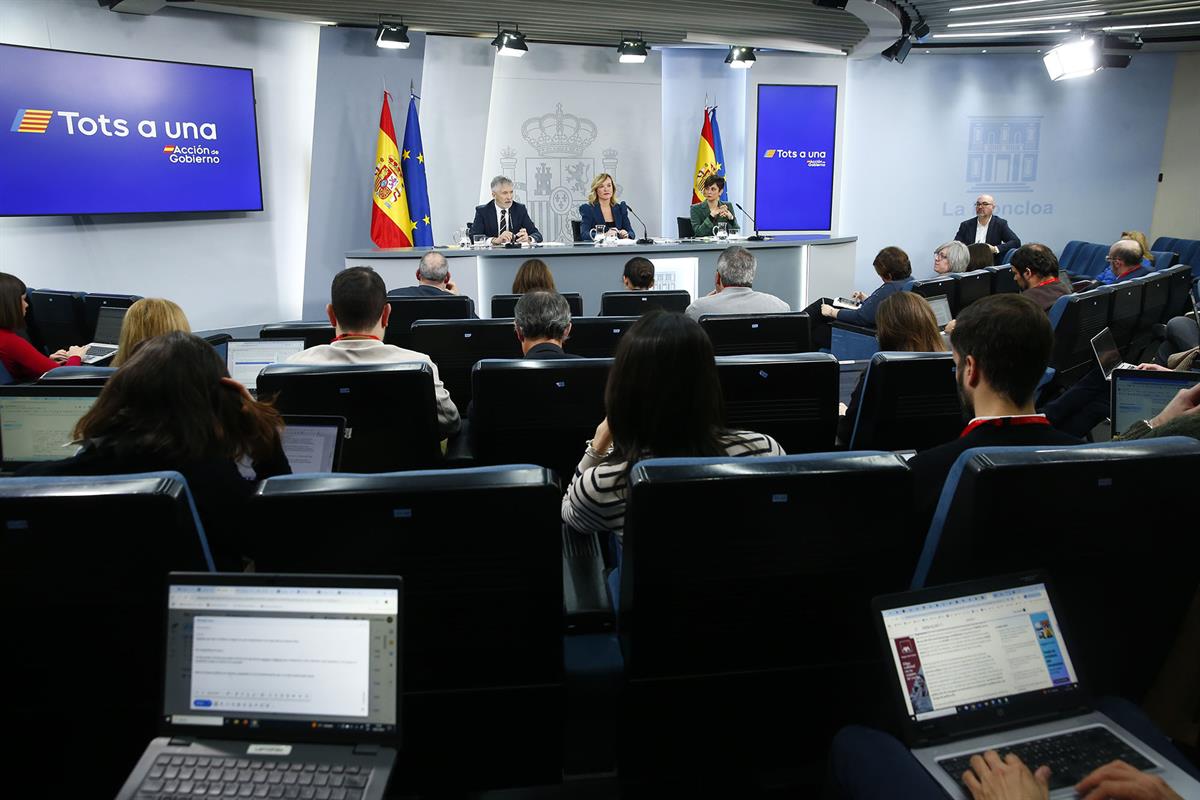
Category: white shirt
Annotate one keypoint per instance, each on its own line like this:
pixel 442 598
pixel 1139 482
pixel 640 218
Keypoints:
pixel 500 227
pixel 981 232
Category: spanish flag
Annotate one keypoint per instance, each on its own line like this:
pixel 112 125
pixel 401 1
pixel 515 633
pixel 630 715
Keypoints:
pixel 706 160
pixel 390 222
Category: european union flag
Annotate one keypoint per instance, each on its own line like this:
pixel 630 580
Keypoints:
pixel 718 151
pixel 412 161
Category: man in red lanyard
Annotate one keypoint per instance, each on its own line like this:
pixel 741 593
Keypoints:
pixel 359 313
pixel 1001 347
pixel 1035 269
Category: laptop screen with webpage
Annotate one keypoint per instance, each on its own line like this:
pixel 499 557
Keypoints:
pixel 1139 394
pixel 37 425
pixel 297 655
pixel 311 443
pixel 941 309
pixel 245 358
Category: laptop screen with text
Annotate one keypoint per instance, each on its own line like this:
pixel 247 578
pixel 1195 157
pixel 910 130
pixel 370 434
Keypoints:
pixel 941 309
pixel 247 357
pixel 1142 394
pixel 40 426
pixel 312 446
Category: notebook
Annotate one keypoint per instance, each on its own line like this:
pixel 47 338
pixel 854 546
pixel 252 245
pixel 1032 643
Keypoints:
pixel 107 334
pixel 1108 355
pixel 288 681
pixel 987 664
pixel 313 444
pixel 37 423
pixel 1139 394
pixel 245 358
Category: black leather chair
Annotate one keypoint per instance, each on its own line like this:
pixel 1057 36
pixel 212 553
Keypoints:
pixel 909 401
pixel 77 376
pixel 56 319
pixel 480 551
pixel 758 334
pixel 94 301
pixel 390 409
pixel 634 304
pixel 456 344
pixel 793 398
pixel 1124 312
pixel 576 233
pixel 84 562
pixel 1156 292
pixel 740 613
pixel 407 310
pixel 1002 278
pixel 1179 300
pixel 503 304
pixel 1076 319
pixel 313 333
pixel 597 337
pixel 944 285
pixel 971 287
pixel 1123 571
pixel 684 224
pixel 536 412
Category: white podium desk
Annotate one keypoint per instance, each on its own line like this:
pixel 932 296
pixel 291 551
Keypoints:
pixel 795 268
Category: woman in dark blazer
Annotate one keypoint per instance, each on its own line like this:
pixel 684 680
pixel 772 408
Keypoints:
pixel 602 208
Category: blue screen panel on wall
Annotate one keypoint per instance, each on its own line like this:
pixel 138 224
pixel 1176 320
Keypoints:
pixel 793 186
pixel 93 134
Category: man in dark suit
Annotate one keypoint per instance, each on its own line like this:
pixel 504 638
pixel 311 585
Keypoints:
pixel 1001 346
pixel 988 229
pixel 542 321
pixel 503 220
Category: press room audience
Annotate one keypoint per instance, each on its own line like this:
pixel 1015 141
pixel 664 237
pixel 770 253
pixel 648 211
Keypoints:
pixel 638 275
pixel 893 267
pixel 663 398
pixel 1124 263
pixel 734 292
pixel 173 406
pixel 951 257
pixel 533 275
pixel 1035 270
pixel 711 211
pixel 542 321
pixel 20 358
pixel 145 319
pixel 359 312
pixel 986 228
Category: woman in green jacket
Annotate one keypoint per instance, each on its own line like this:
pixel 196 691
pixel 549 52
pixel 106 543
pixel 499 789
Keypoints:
pixel 708 212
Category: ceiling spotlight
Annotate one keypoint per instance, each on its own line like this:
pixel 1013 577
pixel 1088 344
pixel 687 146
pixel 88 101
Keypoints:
pixel 899 50
pixel 392 36
pixel 510 43
pixel 920 30
pixel 1073 59
pixel 740 57
pixel 633 51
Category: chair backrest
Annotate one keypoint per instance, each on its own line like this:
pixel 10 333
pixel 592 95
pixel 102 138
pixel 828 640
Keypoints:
pixel 1084 258
pixel 390 409
pixel 456 344
pixel 1156 295
pixel 684 224
pixel 597 337
pixel 909 401
pixel 77 376
pixel 91 553
pixel 1179 282
pixel 758 334
pixel 1088 531
pixel 723 566
pixel 1076 319
pixel 57 319
pixel 480 551
pixel 944 285
pixel 503 305
pixel 576 233
pixel 407 310
pixel 535 412
pixel 1164 258
pixel 1188 251
pixel 1002 278
pixel 313 333
pixel 1124 312
pixel 94 301
pixel 1007 257
pixel 793 398
pixel 634 304
pixel 972 286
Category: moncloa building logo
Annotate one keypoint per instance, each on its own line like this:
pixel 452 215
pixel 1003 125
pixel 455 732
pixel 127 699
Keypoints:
pixel 75 123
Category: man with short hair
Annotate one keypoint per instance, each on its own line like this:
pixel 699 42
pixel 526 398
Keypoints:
pixel 639 274
pixel 733 294
pixel 542 321
pixel 1035 269
pixel 503 220
pixel 986 228
pixel 359 313
pixel 1001 346
pixel 433 278
pixel 1124 263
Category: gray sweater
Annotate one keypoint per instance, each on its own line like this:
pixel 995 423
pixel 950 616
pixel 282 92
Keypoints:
pixel 737 300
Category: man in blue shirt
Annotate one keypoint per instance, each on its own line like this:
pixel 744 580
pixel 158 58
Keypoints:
pixel 1124 262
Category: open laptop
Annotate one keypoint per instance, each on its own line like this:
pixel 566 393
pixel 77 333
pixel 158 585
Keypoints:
pixel 37 423
pixel 941 310
pixel 107 334
pixel 985 665
pixel 313 444
pixel 277 681
pixel 1139 394
pixel 245 358
pixel 1108 355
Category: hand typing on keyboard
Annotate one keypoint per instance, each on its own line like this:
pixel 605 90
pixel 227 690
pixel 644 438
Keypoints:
pixel 1120 781
pixel 993 778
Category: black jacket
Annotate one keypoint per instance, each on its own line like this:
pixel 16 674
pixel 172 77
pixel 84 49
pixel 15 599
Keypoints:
pixel 486 222
pixel 999 235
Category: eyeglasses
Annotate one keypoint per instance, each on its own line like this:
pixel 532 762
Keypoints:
pixel 984 204
pixel 939 256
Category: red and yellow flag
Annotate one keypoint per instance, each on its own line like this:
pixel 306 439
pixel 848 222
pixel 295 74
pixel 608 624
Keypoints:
pixel 706 160
pixel 390 222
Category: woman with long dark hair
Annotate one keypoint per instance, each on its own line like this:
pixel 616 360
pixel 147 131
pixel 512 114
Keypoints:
pixel 663 399
pixel 20 358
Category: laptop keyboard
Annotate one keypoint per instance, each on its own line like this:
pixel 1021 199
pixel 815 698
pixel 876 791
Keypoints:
pixel 174 776
pixel 1070 756
pixel 98 351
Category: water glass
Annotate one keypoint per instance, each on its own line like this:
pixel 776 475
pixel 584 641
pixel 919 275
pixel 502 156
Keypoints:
pixel 721 229
pixel 481 240
pixel 598 233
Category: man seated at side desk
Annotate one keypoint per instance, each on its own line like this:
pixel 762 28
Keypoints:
pixel 736 267
pixel 542 321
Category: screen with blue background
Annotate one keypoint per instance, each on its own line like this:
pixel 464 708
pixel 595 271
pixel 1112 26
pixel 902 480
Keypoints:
pixel 92 134
pixel 793 188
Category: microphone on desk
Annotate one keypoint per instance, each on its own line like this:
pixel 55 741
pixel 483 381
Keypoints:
pixel 645 235
pixel 757 237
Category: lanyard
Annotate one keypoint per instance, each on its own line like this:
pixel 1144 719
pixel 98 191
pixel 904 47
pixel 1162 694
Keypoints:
pixel 1000 422
pixel 345 336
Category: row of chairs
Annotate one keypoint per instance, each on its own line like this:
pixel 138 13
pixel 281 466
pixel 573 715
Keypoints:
pixel 963 288
pixel 612 304
pixel 742 612
pixel 58 319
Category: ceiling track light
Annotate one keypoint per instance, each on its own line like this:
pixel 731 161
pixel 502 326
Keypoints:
pixel 1073 59
pixel 510 42
pixel 632 50
pixel 392 36
pixel 899 50
pixel 740 57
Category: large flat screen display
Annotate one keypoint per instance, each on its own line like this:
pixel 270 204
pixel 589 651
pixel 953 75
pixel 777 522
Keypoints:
pixel 92 134
pixel 793 186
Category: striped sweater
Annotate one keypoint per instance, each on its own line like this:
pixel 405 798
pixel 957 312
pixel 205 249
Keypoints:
pixel 595 500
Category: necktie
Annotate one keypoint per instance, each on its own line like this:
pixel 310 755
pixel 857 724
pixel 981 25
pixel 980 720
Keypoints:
pixel 503 220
